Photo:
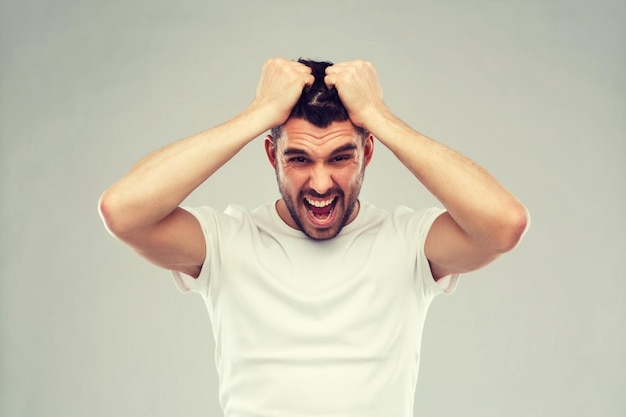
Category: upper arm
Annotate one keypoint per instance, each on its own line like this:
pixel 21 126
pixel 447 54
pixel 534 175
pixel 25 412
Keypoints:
pixel 450 250
pixel 175 243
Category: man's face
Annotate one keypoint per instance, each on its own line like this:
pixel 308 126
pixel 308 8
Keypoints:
pixel 319 173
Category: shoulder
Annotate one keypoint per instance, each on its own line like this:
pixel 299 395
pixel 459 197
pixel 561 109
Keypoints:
pixel 222 223
pixel 423 216
pixel 403 218
pixel 406 226
pixel 402 221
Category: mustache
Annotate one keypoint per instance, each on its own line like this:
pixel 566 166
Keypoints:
pixel 313 193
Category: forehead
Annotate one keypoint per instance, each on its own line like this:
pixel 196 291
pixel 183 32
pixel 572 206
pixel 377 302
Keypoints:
pixel 301 134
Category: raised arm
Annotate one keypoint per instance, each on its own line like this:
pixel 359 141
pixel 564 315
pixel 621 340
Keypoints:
pixel 141 209
pixel 483 219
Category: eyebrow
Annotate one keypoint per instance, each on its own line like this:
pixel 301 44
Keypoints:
pixel 341 149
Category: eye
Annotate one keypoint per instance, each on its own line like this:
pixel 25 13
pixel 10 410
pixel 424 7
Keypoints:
pixel 341 160
pixel 298 160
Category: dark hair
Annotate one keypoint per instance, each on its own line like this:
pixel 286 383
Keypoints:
pixel 318 104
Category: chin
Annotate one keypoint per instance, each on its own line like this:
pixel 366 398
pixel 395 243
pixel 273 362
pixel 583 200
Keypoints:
pixel 321 234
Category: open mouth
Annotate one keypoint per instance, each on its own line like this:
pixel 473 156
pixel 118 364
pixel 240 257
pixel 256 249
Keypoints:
pixel 320 211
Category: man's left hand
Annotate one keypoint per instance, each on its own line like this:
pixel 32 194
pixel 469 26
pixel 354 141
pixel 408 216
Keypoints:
pixel 358 88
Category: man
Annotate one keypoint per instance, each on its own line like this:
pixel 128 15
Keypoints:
pixel 317 300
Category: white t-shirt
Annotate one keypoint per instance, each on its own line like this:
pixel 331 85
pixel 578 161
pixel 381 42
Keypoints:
pixel 316 328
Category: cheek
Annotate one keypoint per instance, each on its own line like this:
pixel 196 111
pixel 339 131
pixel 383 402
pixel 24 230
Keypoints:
pixel 349 175
pixel 290 178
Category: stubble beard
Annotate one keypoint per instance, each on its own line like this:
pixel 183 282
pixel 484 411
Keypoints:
pixel 348 206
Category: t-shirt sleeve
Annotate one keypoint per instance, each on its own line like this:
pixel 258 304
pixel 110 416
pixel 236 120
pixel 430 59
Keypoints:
pixel 444 285
pixel 416 225
pixel 216 227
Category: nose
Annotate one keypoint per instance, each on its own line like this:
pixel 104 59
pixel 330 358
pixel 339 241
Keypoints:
pixel 321 179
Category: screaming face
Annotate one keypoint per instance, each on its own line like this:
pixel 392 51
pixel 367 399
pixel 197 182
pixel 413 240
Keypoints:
pixel 319 173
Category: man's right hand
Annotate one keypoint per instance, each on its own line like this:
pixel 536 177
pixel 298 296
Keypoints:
pixel 280 87
pixel 141 208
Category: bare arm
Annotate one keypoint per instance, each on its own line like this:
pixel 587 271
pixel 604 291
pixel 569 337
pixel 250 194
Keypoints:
pixel 483 219
pixel 141 209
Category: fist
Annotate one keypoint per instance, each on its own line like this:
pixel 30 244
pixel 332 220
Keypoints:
pixel 358 88
pixel 280 87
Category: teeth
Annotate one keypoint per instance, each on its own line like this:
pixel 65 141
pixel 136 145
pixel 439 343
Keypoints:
pixel 320 203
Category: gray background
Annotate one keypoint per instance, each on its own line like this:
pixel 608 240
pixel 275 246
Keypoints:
pixel 532 90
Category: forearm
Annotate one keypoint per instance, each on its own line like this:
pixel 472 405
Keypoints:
pixel 158 183
pixel 477 202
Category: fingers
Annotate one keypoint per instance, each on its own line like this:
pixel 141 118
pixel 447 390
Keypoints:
pixel 358 88
pixel 353 74
pixel 283 81
pixel 355 66
pixel 306 71
pixel 330 80
pixel 279 71
pixel 281 85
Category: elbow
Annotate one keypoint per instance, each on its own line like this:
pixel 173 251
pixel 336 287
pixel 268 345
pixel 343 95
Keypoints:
pixel 513 226
pixel 110 211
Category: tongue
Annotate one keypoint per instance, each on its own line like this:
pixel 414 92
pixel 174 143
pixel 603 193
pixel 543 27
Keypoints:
pixel 321 211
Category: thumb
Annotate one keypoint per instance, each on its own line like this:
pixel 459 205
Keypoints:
pixel 330 80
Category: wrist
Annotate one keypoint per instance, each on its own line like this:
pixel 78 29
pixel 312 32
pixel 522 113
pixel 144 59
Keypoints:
pixel 375 120
pixel 268 114
pixel 261 117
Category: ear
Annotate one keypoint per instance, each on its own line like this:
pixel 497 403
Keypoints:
pixel 270 150
pixel 368 150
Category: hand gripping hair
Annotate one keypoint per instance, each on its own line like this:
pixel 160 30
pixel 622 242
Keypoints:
pixel 318 104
